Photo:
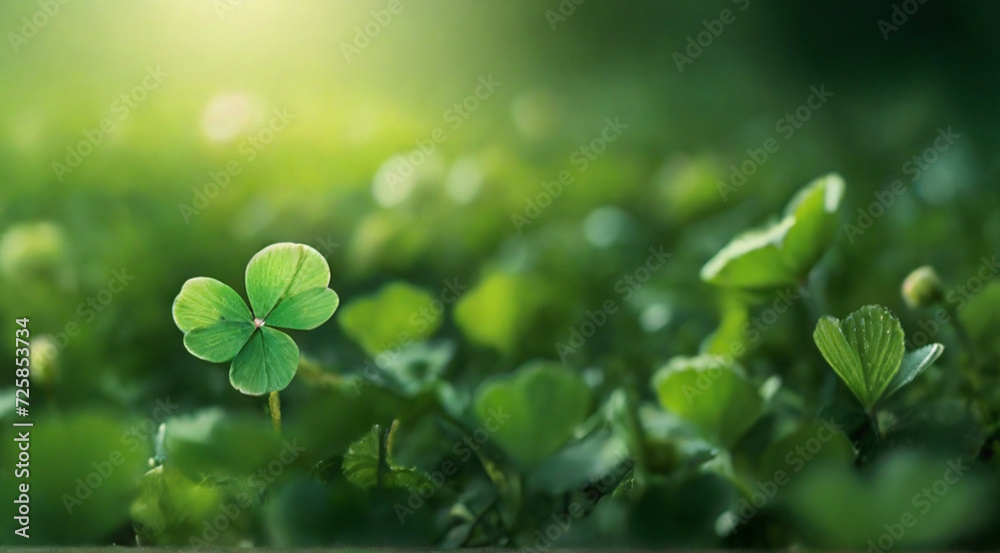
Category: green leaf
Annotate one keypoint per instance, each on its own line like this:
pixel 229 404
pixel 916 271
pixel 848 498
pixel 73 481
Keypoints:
pixel 367 464
pixel 417 367
pixel 306 310
pixel 710 392
pixel 399 312
pixel 220 342
pixel 533 411
pixel 204 302
pixel 752 260
pixel 290 273
pixel 784 252
pixel 267 363
pixel 865 350
pixel 914 363
pixel 857 506
pixel 497 310
pixel 215 320
pixel 598 456
pixel 815 210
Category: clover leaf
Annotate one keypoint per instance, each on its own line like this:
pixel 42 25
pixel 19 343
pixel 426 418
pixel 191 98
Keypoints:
pixel 287 286
pixel 784 252
pixel 711 392
pixel 381 321
pixel 867 351
pixel 532 412
pixel 368 463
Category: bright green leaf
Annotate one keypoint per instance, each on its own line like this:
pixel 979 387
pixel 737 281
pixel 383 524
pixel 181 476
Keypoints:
pixel 220 342
pixel 865 350
pixel 534 410
pixel 267 363
pixel 283 271
pixel 815 210
pixel 305 310
pixel 496 311
pixel 711 393
pixel 914 363
pixel 782 253
pixel 204 302
pixel 752 260
pixel 376 322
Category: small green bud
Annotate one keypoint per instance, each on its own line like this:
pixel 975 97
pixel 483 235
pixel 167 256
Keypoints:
pixel 923 288
pixel 44 360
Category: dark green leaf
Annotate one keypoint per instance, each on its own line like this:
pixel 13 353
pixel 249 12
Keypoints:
pixel 914 363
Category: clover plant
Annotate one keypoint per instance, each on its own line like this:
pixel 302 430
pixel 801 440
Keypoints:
pixel 867 351
pixel 288 288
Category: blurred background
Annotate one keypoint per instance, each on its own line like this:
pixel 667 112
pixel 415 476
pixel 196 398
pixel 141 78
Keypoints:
pixel 499 168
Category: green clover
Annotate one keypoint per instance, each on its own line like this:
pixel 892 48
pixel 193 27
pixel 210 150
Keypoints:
pixel 287 286
pixel 867 350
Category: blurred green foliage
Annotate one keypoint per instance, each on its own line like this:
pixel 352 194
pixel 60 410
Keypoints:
pixel 481 200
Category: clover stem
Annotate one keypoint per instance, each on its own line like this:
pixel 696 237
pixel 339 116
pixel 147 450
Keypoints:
pixel 873 421
pixel 274 403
